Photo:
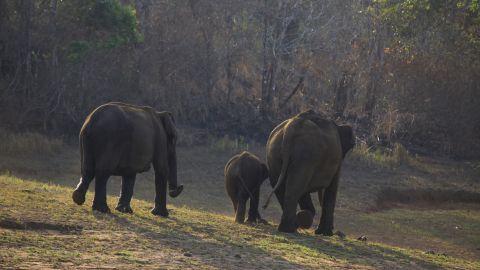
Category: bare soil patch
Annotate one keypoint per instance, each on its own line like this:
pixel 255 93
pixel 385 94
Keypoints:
pixel 426 198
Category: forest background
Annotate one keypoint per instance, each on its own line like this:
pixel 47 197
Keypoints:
pixel 399 71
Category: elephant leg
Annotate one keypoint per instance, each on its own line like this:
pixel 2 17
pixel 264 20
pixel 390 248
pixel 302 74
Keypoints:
pixel 288 222
pixel 80 191
pixel 306 203
pixel 160 208
pixel 296 181
pixel 100 198
pixel 253 214
pixel 128 182
pixel 328 206
pixel 242 198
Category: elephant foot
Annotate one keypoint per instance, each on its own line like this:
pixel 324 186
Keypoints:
pixel 287 228
pixel 324 232
pixel 78 196
pixel 124 208
pixel 101 207
pixel 304 219
pixel 159 212
pixel 174 192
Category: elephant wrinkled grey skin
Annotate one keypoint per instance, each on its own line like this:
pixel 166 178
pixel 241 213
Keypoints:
pixel 244 174
pixel 304 155
pixel 123 139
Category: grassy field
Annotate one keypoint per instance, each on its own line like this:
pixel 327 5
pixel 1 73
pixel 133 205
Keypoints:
pixel 40 227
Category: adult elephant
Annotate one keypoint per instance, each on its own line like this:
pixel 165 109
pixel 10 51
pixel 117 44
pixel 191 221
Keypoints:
pixel 304 155
pixel 123 139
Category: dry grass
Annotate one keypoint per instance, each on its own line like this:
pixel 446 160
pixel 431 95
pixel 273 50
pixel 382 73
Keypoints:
pixel 27 144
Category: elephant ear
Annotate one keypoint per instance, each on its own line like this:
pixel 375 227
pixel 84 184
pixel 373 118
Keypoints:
pixel 346 138
pixel 169 124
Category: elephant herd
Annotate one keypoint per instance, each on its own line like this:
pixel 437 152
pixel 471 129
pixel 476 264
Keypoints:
pixel 304 154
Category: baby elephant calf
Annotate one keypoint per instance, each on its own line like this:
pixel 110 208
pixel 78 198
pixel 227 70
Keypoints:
pixel 244 173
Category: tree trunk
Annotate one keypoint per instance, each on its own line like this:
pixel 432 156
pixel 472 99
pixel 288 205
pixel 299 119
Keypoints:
pixel 341 95
pixel 375 67
pixel 229 55
pixel 372 90
pixel 230 78
pixel 142 8
pixel 27 13
pixel 267 69
pixel 54 83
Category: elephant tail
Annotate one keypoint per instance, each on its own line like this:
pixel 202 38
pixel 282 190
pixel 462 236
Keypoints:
pixel 86 155
pixel 289 133
pixel 281 178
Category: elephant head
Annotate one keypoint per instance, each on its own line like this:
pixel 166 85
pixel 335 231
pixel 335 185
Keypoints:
pixel 347 139
pixel 168 123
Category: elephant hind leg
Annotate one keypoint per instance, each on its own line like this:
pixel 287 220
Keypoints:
pixel 80 191
pixel 100 199
pixel 128 183
pixel 253 214
pixel 297 179
pixel 242 198
pixel 87 169
pixel 306 203
pixel 329 196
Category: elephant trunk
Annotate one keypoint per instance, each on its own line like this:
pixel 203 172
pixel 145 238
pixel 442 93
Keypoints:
pixel 173 187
